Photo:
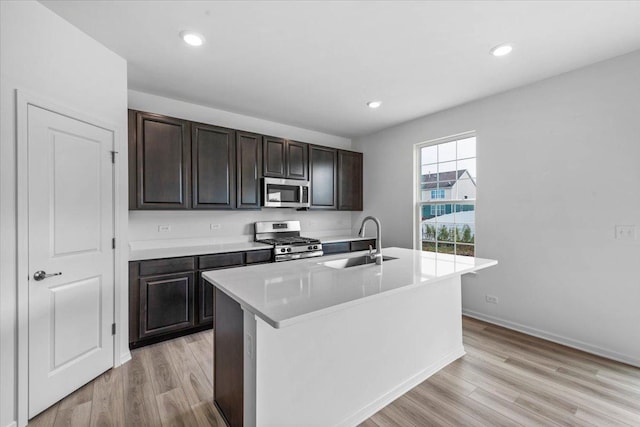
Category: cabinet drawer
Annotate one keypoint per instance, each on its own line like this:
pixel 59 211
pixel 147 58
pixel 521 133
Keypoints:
pixel 164 266
pixel 362 245
pixel 335 248
pixel 221 260
pixel 263 255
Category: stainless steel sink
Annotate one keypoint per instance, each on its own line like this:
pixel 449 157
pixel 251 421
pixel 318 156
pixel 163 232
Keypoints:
pixel 353 262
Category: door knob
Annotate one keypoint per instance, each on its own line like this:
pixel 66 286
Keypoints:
pixel 41 275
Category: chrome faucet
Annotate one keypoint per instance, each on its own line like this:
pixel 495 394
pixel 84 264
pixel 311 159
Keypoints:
pixel 378 254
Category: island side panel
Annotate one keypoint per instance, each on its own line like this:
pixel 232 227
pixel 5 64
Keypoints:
pixel 341 368
pixel 250 415
pixel 228 359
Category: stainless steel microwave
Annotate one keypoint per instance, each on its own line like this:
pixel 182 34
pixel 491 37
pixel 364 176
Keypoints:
pixel 285 193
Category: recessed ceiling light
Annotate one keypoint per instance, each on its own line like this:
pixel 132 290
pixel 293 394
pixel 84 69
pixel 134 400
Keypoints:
pixel 501 50
pixel 191 38
pixel 374 104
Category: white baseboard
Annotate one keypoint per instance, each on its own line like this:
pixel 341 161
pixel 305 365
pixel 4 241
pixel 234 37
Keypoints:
pixel 12 424
pixel 549 336
pixel 401 389
pixel 125 357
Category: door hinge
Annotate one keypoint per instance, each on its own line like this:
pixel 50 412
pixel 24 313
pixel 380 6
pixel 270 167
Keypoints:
pixel 113 329
pixel 113 156
pixel 113 243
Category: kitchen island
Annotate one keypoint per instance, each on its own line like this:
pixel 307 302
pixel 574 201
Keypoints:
pixel 311 343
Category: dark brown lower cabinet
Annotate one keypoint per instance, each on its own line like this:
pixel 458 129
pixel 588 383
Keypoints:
pixel 362 245
pixel 166 304
pixel 169 298
pixel 343 247
pixel 228 359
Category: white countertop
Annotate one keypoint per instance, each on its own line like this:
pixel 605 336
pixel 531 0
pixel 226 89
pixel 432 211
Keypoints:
pixel 169 248
pixel 343 238
pixel 286 293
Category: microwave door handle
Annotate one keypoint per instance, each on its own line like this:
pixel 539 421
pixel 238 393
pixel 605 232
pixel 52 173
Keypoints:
pixel 301 192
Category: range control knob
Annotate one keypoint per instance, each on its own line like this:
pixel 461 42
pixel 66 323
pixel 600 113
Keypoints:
pixel 315 247
pixel 283 250
pixel 288 249
pixel 310 247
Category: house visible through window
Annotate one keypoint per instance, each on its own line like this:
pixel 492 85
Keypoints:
pixel 447 195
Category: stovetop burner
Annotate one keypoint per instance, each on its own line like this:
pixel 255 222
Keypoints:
pixel 286 240
pixel 289 241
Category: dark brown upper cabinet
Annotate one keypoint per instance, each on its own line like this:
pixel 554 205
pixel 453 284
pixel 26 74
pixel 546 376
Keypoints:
pixel 284 159
pixel 349 180
pixel 323 174
pixel 274 156
pixel 297 160
pixel 159 161
pixel 249 170
pixel 177 164
pixel 213 153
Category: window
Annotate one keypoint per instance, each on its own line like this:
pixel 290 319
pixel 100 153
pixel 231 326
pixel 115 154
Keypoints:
pixel 437 210
pixel 437 194
pixel 447 195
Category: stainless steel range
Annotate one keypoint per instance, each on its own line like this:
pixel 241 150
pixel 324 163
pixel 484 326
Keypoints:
pixel 286 240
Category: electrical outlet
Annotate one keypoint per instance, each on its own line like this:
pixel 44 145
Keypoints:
pixel 625 232
pixel 164 228
pixel 491 299
pixel 250 346
pixel 214 226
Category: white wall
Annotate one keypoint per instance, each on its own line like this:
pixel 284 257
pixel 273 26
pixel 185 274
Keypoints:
pixel 558 168
pixel 185 110
pixel 49 58
pixel 234 225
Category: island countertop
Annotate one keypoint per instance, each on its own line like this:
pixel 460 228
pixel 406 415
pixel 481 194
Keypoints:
pixel 286 293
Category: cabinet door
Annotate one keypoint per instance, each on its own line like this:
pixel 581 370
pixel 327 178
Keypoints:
pixel 214 162
pixel 322 173
pixel 163 159
pixel 273 157
pixel 205 307
pixel 297 160
pixel 249 169
pixel 166 303
pixel 349 181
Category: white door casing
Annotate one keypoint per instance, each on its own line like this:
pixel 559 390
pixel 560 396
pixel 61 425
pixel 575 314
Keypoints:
pixel 70 230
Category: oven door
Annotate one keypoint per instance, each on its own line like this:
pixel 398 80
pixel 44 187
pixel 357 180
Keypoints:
pixel 285 193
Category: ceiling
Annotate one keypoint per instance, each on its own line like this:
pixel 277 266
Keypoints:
pixel 316 64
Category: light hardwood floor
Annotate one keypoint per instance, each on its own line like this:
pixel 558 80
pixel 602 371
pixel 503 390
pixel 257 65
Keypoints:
pixel 505 379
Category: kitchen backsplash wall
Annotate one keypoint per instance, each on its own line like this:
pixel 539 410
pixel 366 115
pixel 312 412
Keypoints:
pixel 228 226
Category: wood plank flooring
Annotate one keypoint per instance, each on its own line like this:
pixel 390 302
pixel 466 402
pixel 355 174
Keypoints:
pixel 505 379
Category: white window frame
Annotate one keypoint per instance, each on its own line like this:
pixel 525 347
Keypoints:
pixel 417 198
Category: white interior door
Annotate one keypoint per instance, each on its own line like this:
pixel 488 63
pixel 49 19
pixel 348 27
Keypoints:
pixel 71 226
